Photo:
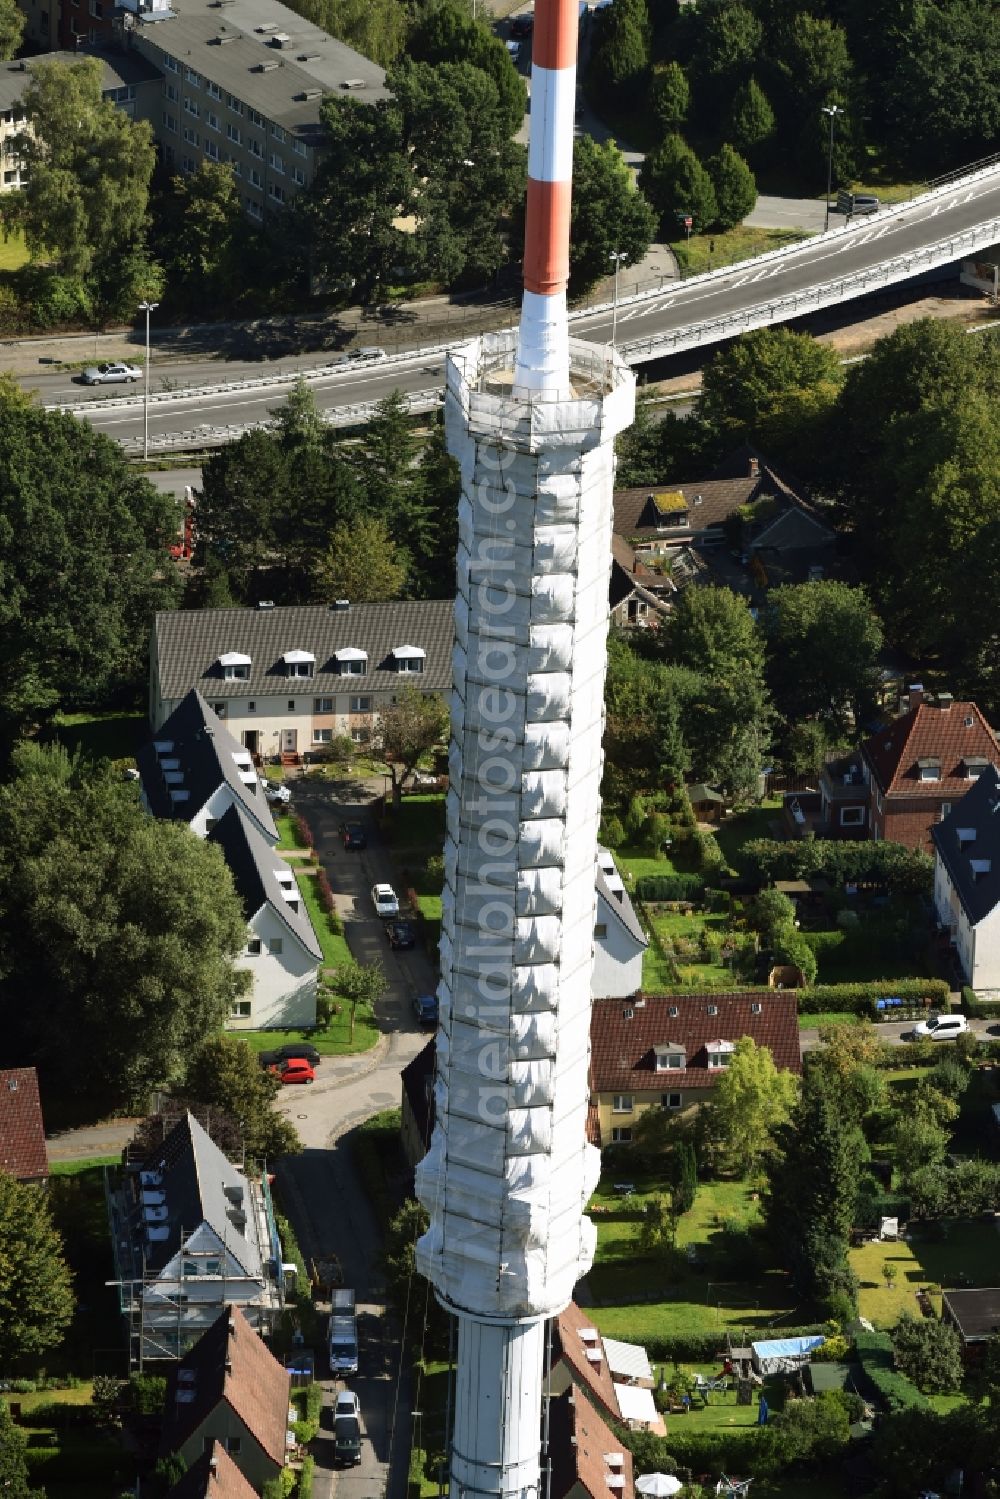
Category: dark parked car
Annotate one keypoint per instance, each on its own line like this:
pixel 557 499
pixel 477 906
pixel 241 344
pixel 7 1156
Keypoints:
pixel 280 1054
pixel 522 26
pixel 401 934
pixel 347 1440
pixel 425 1008
pixel 353 835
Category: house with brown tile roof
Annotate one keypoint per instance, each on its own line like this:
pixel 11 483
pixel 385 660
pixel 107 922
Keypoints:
pixel 667 1051
pixel 213 1476
pixel 22 1133
pixel 919 767
pixel 617 1377
pixel 229 1388
pixel 588 1461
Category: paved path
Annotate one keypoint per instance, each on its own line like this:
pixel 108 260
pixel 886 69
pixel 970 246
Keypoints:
pixel 807 214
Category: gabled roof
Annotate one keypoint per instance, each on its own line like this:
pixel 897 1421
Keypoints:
pixel 213 1476
pixel 624 1035
pixel 195 1177
pixel 22 1133
pixel 580 1445
pixel 228 1363
pixel 950 735
pixel 621 910
pixel 707 502
pixel 256 871
pixel 573 1333
pixel 964 858
pixel 187 644
pixel 207 755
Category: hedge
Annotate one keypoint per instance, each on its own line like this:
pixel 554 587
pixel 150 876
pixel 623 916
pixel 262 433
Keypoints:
pixel 306 1476
pixel 698 1451
pixel 841 861
pixel 979 1009
pixel 860 998
pixel 703 1347
pixel 878 1365
pixel 670 887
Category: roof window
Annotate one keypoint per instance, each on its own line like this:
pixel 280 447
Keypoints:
pixel 720 1053
pixel 966 835
pixel 235 666
pixel 299 663
pixel 409 658
pixel 980 867
pixel 351 662
pixel 929 769
pixel 669 1058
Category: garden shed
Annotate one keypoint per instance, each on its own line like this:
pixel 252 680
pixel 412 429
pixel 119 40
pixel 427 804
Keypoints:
pixel 974 1314
pixel 707 804
pixel 784 1355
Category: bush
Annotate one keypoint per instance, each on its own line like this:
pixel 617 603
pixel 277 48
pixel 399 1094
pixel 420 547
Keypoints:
pixel 710 856
pixel 706 1347
pixel 304 831
pixel 612 832
pixel 325 892
pixel 670 887
pixel 904 870
pixel 306 1478
pixel 893 1389
pixel 929 1352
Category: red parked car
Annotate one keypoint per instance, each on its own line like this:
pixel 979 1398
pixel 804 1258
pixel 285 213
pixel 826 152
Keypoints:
pixel 293 1070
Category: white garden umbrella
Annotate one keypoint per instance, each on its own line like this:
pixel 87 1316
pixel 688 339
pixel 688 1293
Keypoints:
pixel 658 1485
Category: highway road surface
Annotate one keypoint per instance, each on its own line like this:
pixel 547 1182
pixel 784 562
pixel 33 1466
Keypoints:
pixel 718 302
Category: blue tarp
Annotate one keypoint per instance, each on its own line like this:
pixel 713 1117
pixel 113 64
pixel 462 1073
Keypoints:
pixel 777 1354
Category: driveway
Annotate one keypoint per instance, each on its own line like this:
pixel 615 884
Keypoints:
pixel 322 1191
pixel 808 214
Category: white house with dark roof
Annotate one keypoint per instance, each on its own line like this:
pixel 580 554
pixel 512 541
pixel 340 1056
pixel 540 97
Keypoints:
pixel 967 881
pixel 193 770
pixel 619 940
pixel 192 1233
pixel 288 681
pixel 282 954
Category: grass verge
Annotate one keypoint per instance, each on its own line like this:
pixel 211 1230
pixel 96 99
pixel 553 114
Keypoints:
pixel 333 1041
pixel 707 252
pixel 289 836
pixel 333 943
pixel 100 736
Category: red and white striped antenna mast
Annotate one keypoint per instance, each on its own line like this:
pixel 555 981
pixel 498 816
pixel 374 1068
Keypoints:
pixel 543 349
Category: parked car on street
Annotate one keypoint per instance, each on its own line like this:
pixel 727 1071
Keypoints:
pixel 424 781
pixel 295 1051
pixel 275 792
pixel 347 1404
pixel 347 1440
pixel 401 934
pixel 384 900
pixel 293 1070
pixel 522 26
pixel 353 835
pixel 940 1028
pixel 115 373
pixel 425 1008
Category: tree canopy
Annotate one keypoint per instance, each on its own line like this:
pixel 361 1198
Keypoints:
pixel 823 642
pixel 750 1103
pixel 609 215
pixel 123 928
pixel 36 1291
pixel 407 729
pixel 83 565
pixel 769 387
pixel 226 1074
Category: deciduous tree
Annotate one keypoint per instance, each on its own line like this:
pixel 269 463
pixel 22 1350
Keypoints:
pixel 12 23
pixel 225 1073
pixel 36 1292
pixel 88 169
pixel 360 984
pixel 751 120
pixel 609 214
pixel 823 642
pixel 769 387
pixel 621 50
pixel 929 1351
pixel 676 183
pixel 751 1102
pixel 407 729
pixel 122 926
pixel 362 563
pixel 668 97
pixel 735 187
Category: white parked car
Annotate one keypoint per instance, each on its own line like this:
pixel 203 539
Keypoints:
pixel 384 900
pixel 940 1028
pixel 347 1405
pixel 115 373
pixel 275 792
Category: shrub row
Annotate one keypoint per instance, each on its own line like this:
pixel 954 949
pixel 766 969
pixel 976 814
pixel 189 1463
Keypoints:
pixel 325 891
pixel 841 861
pixel 74 1465
pixel 670 887
pixel 703 1347
pixel 698 1451
pixel 877 1362
pixel 307 1475
pixel 979 1009
pixel 860 999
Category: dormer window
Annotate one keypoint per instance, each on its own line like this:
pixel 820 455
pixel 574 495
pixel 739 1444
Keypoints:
pixel 299 663
pixel 670 509
pixel 720 1054
pixel 670 1058
pixel 929 769
pixel 974 766
pixel 980 868
pixel 409 658
pixel 351 662
pixel 235 666
pixel 966 835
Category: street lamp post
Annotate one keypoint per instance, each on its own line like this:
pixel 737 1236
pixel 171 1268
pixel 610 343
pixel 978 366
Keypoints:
pixel 833 110
pixel 619 257
pixel 147 308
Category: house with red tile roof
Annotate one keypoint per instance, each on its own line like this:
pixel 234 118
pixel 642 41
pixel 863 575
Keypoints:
pixel 213 1476
pixel 587 1460
pixel 22 1132
pixel 667 1051
pixel 907 777
pixel 229 1389
pixel 617 1377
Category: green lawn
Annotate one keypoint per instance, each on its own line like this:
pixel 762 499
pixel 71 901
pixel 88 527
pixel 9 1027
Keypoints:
pixel 827 1017
pixel 697 1290
pixel 707 252
pixel 682 928
pixel 417 825
pixel 13 251
pixel 334 1041
pixel 109 736
pixel 962 1248
pixel 289 836
pixel 745 826
pixel 77 1168
pixel 334 944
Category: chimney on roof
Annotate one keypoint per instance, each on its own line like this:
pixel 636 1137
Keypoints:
pixel 945 701
pixel 213 1464
pixel 755 468
pixel 232 1325
pixel 340 606
pixel 916 694
pixel 229 1366
pixel 265 603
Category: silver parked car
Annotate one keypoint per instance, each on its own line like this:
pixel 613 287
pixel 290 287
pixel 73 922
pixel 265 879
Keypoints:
pixel 115 373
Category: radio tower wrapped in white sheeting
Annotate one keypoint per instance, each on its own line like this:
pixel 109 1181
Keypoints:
pixel 531 418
